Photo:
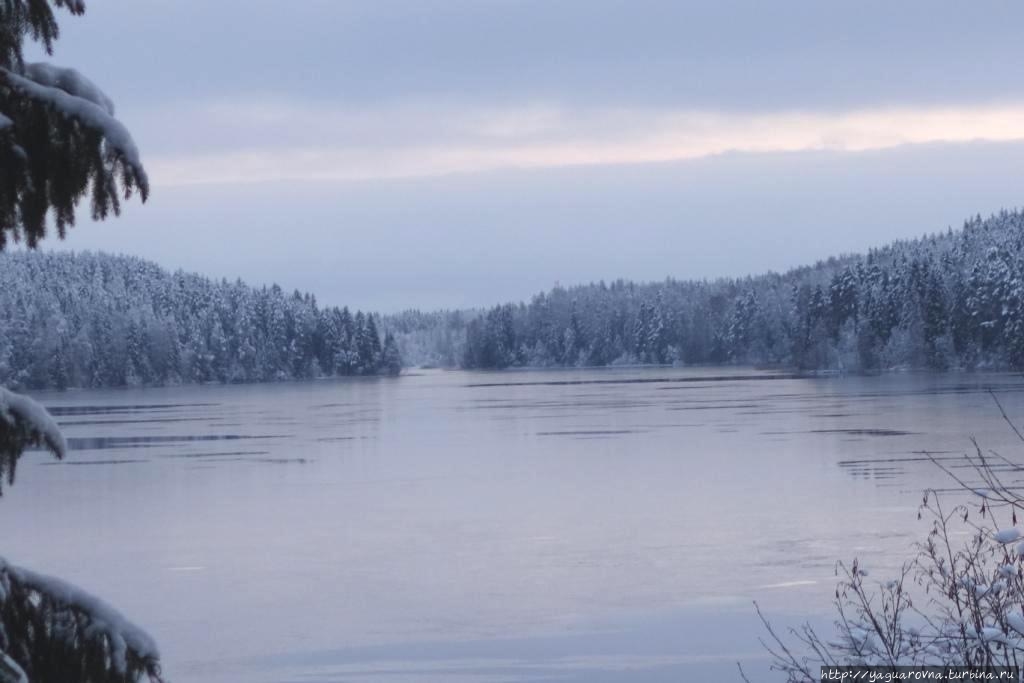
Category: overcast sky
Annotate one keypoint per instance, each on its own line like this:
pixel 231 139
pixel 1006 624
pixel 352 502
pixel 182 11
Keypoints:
pixel 449 153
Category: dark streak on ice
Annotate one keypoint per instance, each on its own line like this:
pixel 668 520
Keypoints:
pixel 589 432
pixel 635 380
pixel 59 411
pixel 863 432
pixel 109 442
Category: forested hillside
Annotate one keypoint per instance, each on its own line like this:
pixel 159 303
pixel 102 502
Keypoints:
pixel 950 300
pixel 95 320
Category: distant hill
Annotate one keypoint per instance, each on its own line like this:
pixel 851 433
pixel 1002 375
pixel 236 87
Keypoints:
pixel 96 320
pixel 949 300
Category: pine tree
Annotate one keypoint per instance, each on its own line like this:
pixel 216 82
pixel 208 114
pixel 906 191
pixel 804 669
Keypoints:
pixel 59 141
pixel 641 332
pixel 392 359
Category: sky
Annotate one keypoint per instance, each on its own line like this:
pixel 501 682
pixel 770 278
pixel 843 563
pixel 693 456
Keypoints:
pixel 427 154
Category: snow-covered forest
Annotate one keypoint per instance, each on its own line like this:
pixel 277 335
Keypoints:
pixel 949 300
pixel 96 320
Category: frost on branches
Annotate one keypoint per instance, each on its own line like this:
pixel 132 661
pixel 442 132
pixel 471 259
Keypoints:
pixel 956 603
pixel 59 140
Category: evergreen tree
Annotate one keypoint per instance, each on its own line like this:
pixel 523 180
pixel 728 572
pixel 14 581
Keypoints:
pixel 59 141
pixel 391 358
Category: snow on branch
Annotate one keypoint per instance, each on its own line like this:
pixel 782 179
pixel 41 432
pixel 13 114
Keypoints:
pixel 10 672
pixel 22 414
pixel 70 81
pixel 23 424
pixel 81 107
pixel 73 630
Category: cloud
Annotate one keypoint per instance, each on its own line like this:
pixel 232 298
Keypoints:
pixel 735 54
pixel 319 143
pixel 476 239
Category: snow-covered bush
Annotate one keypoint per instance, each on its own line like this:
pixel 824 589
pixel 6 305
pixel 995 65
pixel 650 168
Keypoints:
pixel 957 602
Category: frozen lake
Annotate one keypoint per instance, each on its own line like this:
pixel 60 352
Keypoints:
pixel 595 525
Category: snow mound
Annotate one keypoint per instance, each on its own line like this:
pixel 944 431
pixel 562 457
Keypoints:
pixel 1007 536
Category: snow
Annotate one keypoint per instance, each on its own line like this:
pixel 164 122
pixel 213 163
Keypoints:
pixel 1016 622
pixel 5 122
pixel 85 111
pixel 122 633
pixel 70 81
pixel 995 588
pixel 993 634
pixel 10 672
pixel 16 409
pixel 1007 536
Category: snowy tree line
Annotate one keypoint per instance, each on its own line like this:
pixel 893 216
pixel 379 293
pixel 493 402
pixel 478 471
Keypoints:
pixel 430 339
pixel 950 300
pixel 96 320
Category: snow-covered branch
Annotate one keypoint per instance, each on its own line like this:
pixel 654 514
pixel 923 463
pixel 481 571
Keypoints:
pixel 70 81
pixel 73 636
pixel 10 672
pixel 25 424
pixel 22 414
pixel 958 602
pixel 83 102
